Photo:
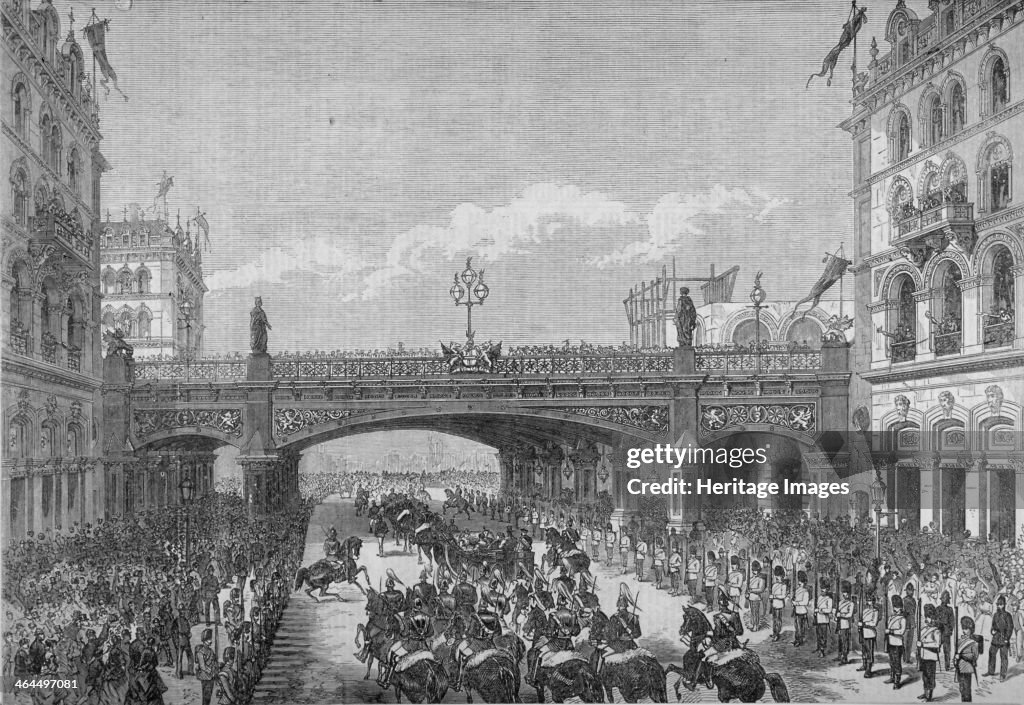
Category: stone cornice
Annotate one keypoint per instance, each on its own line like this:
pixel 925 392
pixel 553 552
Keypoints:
pixel 999 218
pixel 952 365
pixel 36 369
pixel 948 143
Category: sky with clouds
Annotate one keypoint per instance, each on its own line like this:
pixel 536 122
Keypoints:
pixel 351 155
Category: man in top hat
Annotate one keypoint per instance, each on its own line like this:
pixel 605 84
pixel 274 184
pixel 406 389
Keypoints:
pixel 710 582
pixel 868 626
pixel 895 634
pixel 692 572
pixel 966 661
pixel 945 618
pixel 1002 634
pixel 823 611
pixel 928 644
pixel 780 590
pixel 755 595
pixel 910 610
pixel 801 604
pixel 844 621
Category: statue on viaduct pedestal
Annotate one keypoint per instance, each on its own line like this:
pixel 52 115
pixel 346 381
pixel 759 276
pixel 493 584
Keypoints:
pixel 258 327
pixel 686 319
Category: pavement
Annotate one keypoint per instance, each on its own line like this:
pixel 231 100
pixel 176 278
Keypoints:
pixel 312 660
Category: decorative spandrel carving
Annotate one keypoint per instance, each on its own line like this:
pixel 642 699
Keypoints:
pixel 647 418
pixel 290 421
pixel 797 417
pixel 149 421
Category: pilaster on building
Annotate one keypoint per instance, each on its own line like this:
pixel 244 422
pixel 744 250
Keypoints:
pixel 938 130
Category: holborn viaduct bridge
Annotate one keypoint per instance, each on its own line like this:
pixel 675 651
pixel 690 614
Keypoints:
pixel 560 421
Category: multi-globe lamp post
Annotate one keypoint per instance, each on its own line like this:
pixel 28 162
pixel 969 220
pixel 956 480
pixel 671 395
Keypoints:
pixel 469 290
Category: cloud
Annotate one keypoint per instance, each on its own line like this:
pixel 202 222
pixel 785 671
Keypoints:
pixel 677 217
pixel 319 256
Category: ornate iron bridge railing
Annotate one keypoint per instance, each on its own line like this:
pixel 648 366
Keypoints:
pixel 714 361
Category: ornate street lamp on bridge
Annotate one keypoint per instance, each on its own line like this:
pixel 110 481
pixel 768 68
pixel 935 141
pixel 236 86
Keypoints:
pixel 877 498
pixel 469 292
pixel 757 297
pixel 185 321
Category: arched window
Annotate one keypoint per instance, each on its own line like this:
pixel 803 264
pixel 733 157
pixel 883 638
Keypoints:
pixel 74 167
pixel 805 332
pixel 995 178
pixel 109 280
pixel 143 280
pixel 125 281
pixel 18 438
pixel 126 322
pixel 108 317
pixel 949 21
pixel 145 322
pixel 1000 85
pixel 48 444
pixel 747 334
pixel 935 118
pixel 999 318
pixel 56 142
pixel 19 195
pixel 75 445
pixel 902 334
pixel 947 320
pixel 902 137
pixel 45 128
pixel 957 108
pixel 21 105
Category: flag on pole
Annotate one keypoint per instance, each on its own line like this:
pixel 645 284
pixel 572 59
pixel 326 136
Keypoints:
pixel 835 268
pixel 201 222
pixel 163 187
pixel 858 17
pixel 96 33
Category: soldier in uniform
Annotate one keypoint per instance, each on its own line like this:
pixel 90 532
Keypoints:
pixel 465 595
pixel 609 542
pixel 622 629
pixel 727 627
pixel 392 601
pixel 624 545
pixel 946 619
pixel 801 602
pixel 379 528
pixel 910 611
pixel 928 650
pixel 692 572
pixel 641 558
pixel 416 630
pixel 331 544
pixel 425 592
pixel 895 633
pixel 710 582
pixel 823 611
pixel 563 579
pixel 844 622
pixel 562 626
pixel 755 595
pixel 780 590
pixel 1002 635
pixel 658 563
pixel 208 589
pixel 868 625
pixel 675 566
pixel 966 658
pixel 735 580
pixel 595 542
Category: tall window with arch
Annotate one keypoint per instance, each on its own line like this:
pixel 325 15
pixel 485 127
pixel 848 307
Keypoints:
pixel 75 447
pixel 935 120
pixel 145 323
pixel 998 329
pixel 957 108
pixel 126 322
pixel 20 102
pixel 996 177
pixel 45 145
pixel 902 137
pixel 109 281
pixel 56 143
pixel 902 335
pixel 18 438
pixel 74 176
pixel 19 196
pixel 947 320
pixel 142 279
pixel 1000 82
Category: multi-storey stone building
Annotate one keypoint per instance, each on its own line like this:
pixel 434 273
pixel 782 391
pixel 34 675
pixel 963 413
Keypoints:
pixel 152 283
pixel 51 350
pixel 937 128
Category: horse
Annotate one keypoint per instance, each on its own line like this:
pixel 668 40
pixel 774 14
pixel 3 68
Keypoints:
pixel 326 571
pixel 362 503
pixel 425 680
pixel 379 642
pixel 636 673
pixel 492 673
pixel 741 678
pixel 576 562
pixel 573 677
pixel 457 502
pixel 423 496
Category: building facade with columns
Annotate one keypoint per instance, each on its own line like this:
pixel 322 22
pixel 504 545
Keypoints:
pixel 937 128
pixel 52 479
pixel 152 283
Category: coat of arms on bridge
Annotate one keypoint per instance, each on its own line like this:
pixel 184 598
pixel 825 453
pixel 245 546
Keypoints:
pixel 471 357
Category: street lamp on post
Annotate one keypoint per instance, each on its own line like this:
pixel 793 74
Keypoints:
pixel 469 290
pixel 878 498
pixel 187 488
pixel 757 297
pixel 185 321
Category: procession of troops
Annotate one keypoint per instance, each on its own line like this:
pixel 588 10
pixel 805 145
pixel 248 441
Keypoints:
pixel 490 607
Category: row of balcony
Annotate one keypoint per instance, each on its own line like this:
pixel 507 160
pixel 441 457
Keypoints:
pixel 21 344
pixel 949 338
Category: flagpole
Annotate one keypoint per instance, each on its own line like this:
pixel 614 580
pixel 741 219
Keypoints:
pixel 853 69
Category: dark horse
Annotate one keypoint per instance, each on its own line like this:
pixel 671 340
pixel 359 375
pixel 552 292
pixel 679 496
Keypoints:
pixel 574 561
pixel 493 673
pixel 362 502
pixel 741 678
pixel 457 502
pixel 573 677
pixel 636 673
pixel 324 572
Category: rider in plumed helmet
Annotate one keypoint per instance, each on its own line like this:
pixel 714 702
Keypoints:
pixel 724 635
pixel 415 631
pixel 562 625
pixel 622 628
pixel 481 632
